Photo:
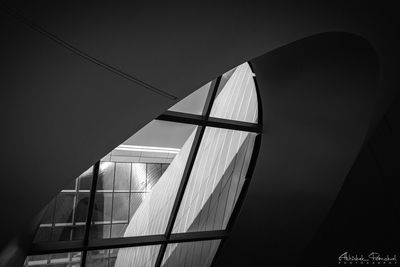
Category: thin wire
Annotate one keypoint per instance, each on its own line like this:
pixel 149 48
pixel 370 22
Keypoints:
pixel 18 16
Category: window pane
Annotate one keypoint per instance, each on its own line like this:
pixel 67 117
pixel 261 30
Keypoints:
pixel 62 233
pixel 65 216
pixel 78 232
pixel 106 176
pixel 164 167
pixel 135 256
pixel 193 103
pixel 62 258
pixel 102 207
pixel 118 230
pixel 138 177
pixel 224 79
pixel 153 174
pixel 237 99
pixel 159 134
pixel 68 232
pixel 64 207
pixel 99 231
pixel 195 254
pixel 120 207
pixel 71 185
pixel 216 180
pixel 44 231
pixel 122 176
pixel 85 180
pixel 72 259
pixel 49 213
pixel 127 198
pixel 37 260
pixel 135 201
pixel 98 258
pixel 152 212
pixel 43 234
pixel 81 209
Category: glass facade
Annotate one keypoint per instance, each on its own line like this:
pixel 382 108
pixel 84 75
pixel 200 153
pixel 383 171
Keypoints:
pixel 152 215
pixel 169 183
pixel 121 189
pixel 144 256
pixel 237 99
pixel 216 180
pixel 65 216
pixel 70 259
pixel 195 254
pixel 193 103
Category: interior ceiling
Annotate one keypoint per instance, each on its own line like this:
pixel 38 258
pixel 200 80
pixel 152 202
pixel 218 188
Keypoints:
pixel 161 134
pixel 55 103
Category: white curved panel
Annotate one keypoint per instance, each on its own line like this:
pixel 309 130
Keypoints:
pixel 238 98
pixel 216 179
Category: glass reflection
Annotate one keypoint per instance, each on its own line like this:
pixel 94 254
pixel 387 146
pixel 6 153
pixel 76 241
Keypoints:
pixel 193 103
pixel 131 256
pixel 70 259
pixel 65 216
pixel 138 181
pixel 128 193
pixel 195 254
pixel 122 176
pixel 216 180
pixel 237 99
pixel 151 216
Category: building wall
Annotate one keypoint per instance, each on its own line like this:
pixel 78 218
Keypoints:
pixel 317 97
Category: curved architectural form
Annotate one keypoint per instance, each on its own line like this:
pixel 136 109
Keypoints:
pixel 327 78
pixel 237 99
pixel 216 179
pixel 195 191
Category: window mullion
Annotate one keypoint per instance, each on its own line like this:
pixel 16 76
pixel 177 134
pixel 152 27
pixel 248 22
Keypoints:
pixel 188 168
pixel 90 212
pixel 210 122
pixel 181 191
pixel 202 121
pixel 211 97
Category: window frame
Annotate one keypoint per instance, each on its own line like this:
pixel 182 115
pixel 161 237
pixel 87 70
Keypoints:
pixel 201 121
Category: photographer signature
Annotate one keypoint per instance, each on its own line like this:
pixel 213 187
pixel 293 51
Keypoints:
pixel 373 257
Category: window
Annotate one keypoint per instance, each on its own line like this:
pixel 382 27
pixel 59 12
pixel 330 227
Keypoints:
pixel 168 195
